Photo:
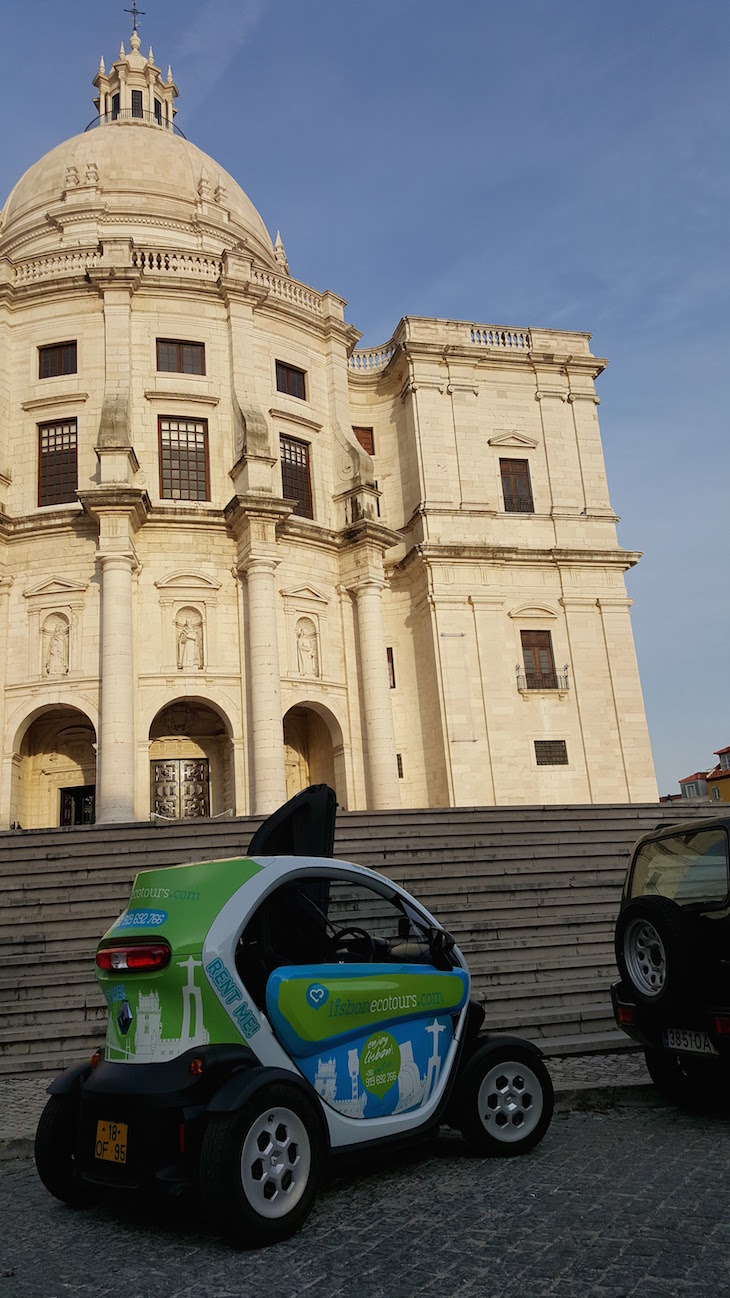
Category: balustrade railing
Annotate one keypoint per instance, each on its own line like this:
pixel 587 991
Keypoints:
pixel 497 336
pixel 129 115
pixel 180 263
pixel 368 360
pixel 62 263
pixel 288 290
pixel 542 680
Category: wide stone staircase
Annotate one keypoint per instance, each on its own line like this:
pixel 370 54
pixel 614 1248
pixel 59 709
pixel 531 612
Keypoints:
pixel 529 893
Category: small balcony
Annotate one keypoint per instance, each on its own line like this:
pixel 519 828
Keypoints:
pixel 550 682
pixel 518 505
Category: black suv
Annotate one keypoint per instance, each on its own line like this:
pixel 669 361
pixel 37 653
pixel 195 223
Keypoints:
pixel 673 955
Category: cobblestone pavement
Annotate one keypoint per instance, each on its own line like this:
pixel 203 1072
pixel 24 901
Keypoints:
pixel 22 1097
pixel 631 1203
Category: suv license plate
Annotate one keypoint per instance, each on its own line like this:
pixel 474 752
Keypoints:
pixel 111 1142
pixel 686 1039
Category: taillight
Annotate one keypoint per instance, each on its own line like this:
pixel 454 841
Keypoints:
pixel 134 958
pixel 624 1013
pixel 722 1025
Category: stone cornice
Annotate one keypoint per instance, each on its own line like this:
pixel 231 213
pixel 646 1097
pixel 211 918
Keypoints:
pixel 367 532
pixel 132 501
pixel 55 399
pixel 272 509
pixel 430 552
pixel 203 398
pixel 295 418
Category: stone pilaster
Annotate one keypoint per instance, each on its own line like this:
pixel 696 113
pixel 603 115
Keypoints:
pixel 118 511
pixel 115 750
pixel 362 567
pixel 253 522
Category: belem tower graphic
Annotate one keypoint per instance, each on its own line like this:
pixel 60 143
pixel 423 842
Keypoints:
pixel 149 1043
pixel 413 1089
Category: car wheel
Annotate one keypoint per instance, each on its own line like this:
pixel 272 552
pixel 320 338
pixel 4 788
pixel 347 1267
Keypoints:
pixel 55 1152
pixel 260 1167
pixel 655 952
pixel 697 1084
pixel 505 1100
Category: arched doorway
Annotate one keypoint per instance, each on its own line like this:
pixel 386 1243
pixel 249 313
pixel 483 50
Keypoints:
pixel 54 771
pixel 312 750
pixel 191 762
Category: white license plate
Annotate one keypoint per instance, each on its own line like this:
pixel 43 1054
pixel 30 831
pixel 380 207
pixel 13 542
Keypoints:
pixel 688 1040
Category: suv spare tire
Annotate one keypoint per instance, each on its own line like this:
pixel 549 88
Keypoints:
pixel 657 952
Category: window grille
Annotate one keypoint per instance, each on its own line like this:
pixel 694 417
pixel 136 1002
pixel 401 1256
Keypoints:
pixel 551 752
pixel 57 462
pixel 183 459
pixel 295 478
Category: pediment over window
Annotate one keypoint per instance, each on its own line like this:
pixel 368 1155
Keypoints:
pixel 55 586
pixel 306 593
pixel 519 440
pixel 183 579
pixel 533 610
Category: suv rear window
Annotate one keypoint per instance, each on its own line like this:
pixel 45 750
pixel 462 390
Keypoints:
pixel 691 869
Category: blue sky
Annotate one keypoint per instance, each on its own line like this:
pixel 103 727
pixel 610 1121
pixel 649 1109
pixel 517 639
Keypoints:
pixel 557 163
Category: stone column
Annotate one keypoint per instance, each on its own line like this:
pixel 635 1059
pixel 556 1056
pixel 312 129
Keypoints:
pixel 115 776
pixel 269 780
pixel 382 770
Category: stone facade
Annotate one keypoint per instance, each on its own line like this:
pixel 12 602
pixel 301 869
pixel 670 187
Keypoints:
pixel 239 553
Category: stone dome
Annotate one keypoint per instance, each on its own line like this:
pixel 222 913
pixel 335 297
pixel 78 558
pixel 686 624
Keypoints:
pixel 131 179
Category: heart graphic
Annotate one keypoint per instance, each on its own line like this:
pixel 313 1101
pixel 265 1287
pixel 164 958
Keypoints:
pixel 317 995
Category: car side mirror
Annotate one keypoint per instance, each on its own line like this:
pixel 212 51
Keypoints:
pixel 440 945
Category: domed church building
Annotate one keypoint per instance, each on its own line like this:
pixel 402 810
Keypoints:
pixel 240 554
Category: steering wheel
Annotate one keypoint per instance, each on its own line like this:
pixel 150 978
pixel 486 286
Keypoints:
pixel 338 942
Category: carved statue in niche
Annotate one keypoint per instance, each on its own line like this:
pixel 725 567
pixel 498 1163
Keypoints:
pixel 189 628
pixel 307 647
pixel 55 645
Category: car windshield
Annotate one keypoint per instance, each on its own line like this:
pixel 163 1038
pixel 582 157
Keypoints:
pixel 691 869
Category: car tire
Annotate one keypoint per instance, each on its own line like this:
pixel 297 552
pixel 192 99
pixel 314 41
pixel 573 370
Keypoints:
pixel 656 952
pixel 260 1167
pixel 55 1151
pixel 696 1084
pixel 504 1100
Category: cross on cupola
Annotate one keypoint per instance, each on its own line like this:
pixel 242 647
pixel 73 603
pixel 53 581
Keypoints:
pixel 136 13
pixel 134 91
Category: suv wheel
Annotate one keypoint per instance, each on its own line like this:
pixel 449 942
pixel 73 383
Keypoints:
pixel 655 952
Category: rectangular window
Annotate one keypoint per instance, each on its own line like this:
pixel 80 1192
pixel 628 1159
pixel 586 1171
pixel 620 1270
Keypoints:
pixel 183 458
pixel 295 480
pixel 716 795
pixel 516 486
pixel 399 763
pixel 551 752
pixel 56 360
pixel 391 668
pixel 115 107
pixel 537 652
pixel 137 103
pixel 290 380
pixel 57 463
pixel 366 439
pixel 176 357
pixel 158 112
